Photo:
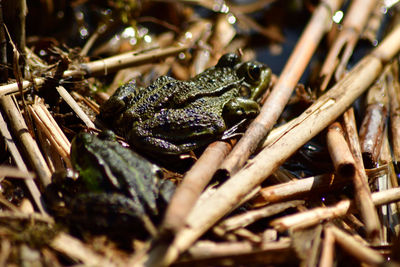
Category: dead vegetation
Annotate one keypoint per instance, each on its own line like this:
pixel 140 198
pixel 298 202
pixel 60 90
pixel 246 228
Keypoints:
pixel 313 180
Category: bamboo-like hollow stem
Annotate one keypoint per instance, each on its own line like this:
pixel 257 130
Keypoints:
pixel 323 112
pixel 280 94
pixel 341 156
pixel 104 66
pixel 314 216
pixel 22 133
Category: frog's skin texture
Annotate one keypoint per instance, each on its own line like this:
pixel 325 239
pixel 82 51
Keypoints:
pixel 174 117
pixel 115 185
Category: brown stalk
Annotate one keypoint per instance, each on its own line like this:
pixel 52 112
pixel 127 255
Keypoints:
pixel 314 216
pixel 394 97
pixel 30 184
pixel 373 124
pixel 355 248
pixel 328 248
pixel 249 217
pixel 272 108
pixel 75 107
pixel 324 111
pixel 13 172
pixel 300 188
pixel 105 66
pixel 339 151
pixel 354 22
pixel 29 144
pixel 193 183
pixel 46 123
pixel 360 180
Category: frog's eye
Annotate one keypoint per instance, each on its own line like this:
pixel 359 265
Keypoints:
pixel 228 60
pixel 254 72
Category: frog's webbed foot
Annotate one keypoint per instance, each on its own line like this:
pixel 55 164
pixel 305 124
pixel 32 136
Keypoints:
pixel 233 131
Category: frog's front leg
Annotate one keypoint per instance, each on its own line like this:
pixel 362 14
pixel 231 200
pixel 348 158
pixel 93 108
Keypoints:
pixel 176 131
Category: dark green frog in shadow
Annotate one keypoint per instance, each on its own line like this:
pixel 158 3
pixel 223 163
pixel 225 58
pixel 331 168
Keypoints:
pixel 116 192
pixel 173 117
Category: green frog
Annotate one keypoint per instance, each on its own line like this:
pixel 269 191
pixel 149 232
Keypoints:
pixel 174 117
pixel 116 188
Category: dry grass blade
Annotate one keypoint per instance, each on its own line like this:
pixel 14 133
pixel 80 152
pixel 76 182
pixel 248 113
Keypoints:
pixel 275 103
pixel 324 111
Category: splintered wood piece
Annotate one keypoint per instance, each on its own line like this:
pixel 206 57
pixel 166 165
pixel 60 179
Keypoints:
pixel 341 156
pixel 29 144
pixel 323 112
pixel 280 94
pixel 328 249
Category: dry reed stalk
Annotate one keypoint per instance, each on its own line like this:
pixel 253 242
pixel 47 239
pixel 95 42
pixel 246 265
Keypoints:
pixel 75 107
pixel 193 183
pixel 374 121
pixel 208 249
pixel 280 94
pixel 314 216
pixel 46 123
pixel 29 144
pixel 13 172
pixel 394 97
pixel 275 253
pixel 77 250
pixel 328 249
pixel 360 180
pixel 355 248
pixel 353 24
pixel 323 112
pixel 249 217
pixel 105 66
pixel 374 23
pixel 30 184
pixel 300 188
pixel 339 151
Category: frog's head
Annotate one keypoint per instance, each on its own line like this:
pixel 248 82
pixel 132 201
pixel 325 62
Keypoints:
pixel 257 77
